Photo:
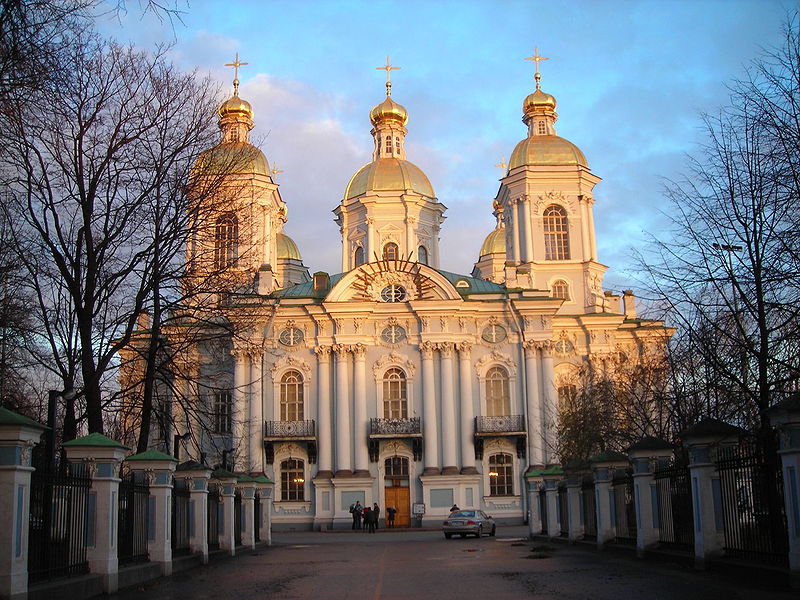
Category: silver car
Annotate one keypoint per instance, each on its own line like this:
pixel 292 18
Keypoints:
pixel 462 522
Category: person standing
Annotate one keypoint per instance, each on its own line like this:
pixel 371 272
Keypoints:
pixel 376 514
pixel 390 513
pixel 371 518
pixel 368 519
pixel 355 510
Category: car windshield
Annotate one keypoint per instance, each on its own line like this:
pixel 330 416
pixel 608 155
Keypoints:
pixel 462 513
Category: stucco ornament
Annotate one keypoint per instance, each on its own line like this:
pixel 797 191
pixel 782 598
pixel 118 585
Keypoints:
pixel 393 359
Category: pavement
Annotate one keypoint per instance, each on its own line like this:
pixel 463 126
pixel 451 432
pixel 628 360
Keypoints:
pixel 410 564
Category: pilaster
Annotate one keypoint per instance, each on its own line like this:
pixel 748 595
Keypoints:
pixel 429 417
pixel 324 419
pixel 448 420
pixel 360 421
pixel 344 444
pixel 467 407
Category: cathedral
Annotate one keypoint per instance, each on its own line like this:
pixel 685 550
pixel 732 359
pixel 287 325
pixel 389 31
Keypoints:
pixel 394 381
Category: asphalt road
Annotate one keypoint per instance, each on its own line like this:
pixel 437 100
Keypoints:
pixel 422 564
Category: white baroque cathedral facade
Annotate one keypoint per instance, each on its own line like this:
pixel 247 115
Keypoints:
pixel 395 381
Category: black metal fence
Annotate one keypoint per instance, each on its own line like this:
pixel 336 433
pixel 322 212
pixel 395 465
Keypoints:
pixel 133 505
pixel 237 518
pixel 59 515
pixel 675 515
pixel 751 486
pixel 624 507
pixel 563 511
pixel 257 517
pixel 589 508
pixel 180 518
pixel 213 517
pixel 543 509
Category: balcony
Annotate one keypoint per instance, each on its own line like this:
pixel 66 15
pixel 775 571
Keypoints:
pixel 393 429
pixel 290 431
pixel 505 426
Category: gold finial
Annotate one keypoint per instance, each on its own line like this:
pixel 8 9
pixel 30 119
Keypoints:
pixel 388 68
pixel 236 64
pixel 537 59
pixel 502 164
pixel 275 169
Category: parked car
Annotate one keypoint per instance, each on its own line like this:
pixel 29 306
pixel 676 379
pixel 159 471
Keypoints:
pixel 474 522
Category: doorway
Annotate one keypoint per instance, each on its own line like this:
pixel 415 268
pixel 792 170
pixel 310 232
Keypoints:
pixel 397 489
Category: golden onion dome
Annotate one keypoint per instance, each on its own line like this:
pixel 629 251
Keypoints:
pixel 232 158
pixel 494 243
pixel 287 249
pixel 389 109
pixel 538 100
pixel 389 174
pixel 548 150
pixel 235 106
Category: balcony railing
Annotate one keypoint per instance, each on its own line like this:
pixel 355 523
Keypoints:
pixel 289 429
pixel 395 427
pixel 509 424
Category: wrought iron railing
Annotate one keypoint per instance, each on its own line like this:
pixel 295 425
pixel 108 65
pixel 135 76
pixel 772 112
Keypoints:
pixel 675 518
pixel 180 517
pixel 589 508
pixel 506 424
pixel 213 517
pixel 289 429
pixel 410 426
pixel 563 511
pixel 237 518
pixel 134 494
pixel 58 523
pixel 624 508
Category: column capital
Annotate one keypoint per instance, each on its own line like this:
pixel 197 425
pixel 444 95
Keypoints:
pixel 359 351
pixel 427 349
pixel 446 349
pixel 323 352
pixel 464 349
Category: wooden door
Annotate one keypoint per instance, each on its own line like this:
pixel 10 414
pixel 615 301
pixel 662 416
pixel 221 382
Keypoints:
pixel 399 498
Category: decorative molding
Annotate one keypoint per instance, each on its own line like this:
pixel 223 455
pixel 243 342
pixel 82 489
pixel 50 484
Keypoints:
pixel 288 361
pixel 323 351
pixel 446 349
pixel 464 349
pixel 494 358
pixel 393 359
pixel 427 349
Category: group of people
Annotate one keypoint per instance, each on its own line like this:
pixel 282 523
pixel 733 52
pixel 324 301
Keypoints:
pixel 366 518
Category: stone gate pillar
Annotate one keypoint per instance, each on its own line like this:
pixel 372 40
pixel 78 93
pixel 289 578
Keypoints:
pixel 644 456
pixel 227 492
pixel 196 477
pixel 603 467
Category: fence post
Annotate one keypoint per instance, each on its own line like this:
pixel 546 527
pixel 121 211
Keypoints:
pixel 603 467
pixel 574 472
pixel 785 415
pixel 103 457
pixel 701 440
pixel 18 434
pixel 227 491
pixel 552 475
pixel 535 482
pixel 247 488
pixel 159 468
pixel 264 489
pixel 196 477
pixel 644 455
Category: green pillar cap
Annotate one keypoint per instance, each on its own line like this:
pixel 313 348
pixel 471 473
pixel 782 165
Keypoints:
pixel 97 440
pixel 8 417
pixel 151 455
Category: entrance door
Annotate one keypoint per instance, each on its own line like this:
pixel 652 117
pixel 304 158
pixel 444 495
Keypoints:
pixel 396 490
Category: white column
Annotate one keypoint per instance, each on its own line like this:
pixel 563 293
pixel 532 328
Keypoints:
pixel 240 411
pixel 449 439
pixel 411 247
pixel 248 492
pixel 360 410
pixel 592 240
pixel 550 406
pixel 324 417
pixel 527 212
pixel 256 438
pixel 533 405
pixel 227 533
pixel 467 409
pixel 197 480
pixel 585 235
pixel 369 251
pixel 344 445
pixel 515 231
pixel 429 420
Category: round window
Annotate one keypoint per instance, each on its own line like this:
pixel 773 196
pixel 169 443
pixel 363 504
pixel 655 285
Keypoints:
pixel 494 333
pixel 393 293
pixel 563 347
pixel 291 336
pixel 393 334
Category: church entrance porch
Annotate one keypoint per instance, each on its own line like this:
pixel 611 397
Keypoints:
pixel 397 491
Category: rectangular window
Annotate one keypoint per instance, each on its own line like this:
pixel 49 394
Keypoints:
pixel 222 412
pixel 501 482
pixel 292 480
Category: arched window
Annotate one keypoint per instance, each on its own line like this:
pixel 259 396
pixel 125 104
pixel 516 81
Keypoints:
pixel 556 233
pixel 388 144
pixel 391 251
pixel 498 402
pixel 293 479
pixel 358 259
pixel 560 289
pixel 396 467
pixel 566 396
pixel 226 239
pixel 501 480
pixel 397 145
pixel 292 396
pixel 395 402
pixel 422 255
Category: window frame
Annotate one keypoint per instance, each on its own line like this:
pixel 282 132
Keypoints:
pixel 497 405
pixel 226 241
pixel 393 248
pixel 223 412
pixel 294 406
pixel 503 483
pixel 555 227
pixel 293 490
pixel 394 394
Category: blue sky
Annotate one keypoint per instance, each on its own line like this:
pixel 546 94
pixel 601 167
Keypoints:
pixel 631 79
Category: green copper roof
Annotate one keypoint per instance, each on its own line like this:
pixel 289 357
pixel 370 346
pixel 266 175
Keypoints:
pixel 262 479
pixel 476 286
pixel 223 474
pixel 8 417
pixel 96 440
pixel 152 455
pixel 306 290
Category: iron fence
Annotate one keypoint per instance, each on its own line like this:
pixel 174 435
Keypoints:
pixel 237 518
pixel 289 429
pixel 589 508
pixel 675 515
pixel 751 486
pixel 624 508
pixel 257 517
pixel 543 509
pixel 59 513
pixel 133 504
pixel 395 426
pixel 180 517
pixel 213 517
pixel 504 424
pixel 563 511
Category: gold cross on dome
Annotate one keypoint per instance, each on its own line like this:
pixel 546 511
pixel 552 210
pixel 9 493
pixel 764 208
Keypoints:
pixel 502 164
pixel 536 58
pixel 236 64
pixel 388 68
pixel 275 170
